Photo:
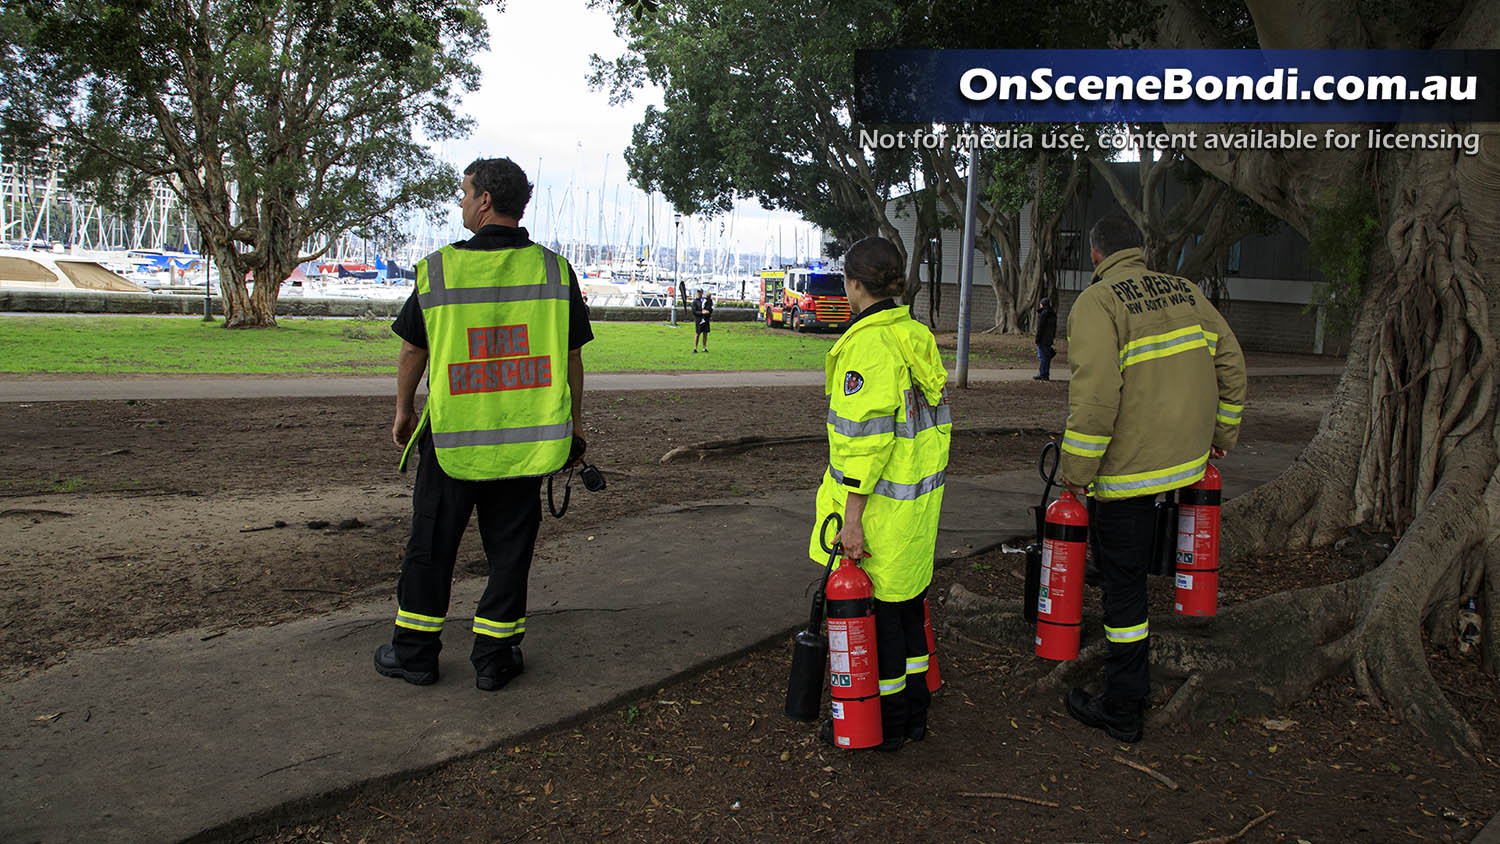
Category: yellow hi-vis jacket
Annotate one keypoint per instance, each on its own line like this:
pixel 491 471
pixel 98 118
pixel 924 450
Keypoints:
pixel 888 432
pixel 497 368
pixel 1158 377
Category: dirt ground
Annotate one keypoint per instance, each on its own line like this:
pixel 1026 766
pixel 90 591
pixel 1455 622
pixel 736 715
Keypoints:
pixel 128 519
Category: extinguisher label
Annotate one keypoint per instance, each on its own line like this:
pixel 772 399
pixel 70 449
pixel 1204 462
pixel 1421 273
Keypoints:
pixel 1046 575
pixel 840 681
pixel 1187 528
pixel 839 660
pixel 1044 606
pixel 838 710
pixel 838 640
pixel 1184 581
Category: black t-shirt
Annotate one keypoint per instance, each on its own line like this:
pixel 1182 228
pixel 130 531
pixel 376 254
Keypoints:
pixel 410 327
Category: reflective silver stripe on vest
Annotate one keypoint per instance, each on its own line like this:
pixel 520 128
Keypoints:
pixel 927 417
pixel 439 294
pixel 504 436
pixel 900 492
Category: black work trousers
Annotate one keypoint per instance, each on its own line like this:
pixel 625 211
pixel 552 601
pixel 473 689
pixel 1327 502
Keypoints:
pixel 901 652
pixel 510 512
pixel 1120 532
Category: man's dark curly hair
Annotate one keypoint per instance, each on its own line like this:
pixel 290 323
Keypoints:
pixel 504 181
pixel 1113 233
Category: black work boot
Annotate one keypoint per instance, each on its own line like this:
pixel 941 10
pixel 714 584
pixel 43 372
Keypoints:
pixel 503 667
pixel 388 665
pixel 916 725
pixel 1121 720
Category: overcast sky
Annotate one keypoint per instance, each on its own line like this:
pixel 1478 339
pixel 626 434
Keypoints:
pixel 534 106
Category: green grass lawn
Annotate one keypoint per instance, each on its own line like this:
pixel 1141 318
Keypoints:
pixel 108 345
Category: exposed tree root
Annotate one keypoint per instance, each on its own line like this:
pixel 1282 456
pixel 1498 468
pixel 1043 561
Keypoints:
pixel 711 448
pixel 1257 657
pixel 723 448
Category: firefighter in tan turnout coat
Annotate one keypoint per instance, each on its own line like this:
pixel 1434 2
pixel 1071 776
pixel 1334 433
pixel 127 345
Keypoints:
pixel 1158 387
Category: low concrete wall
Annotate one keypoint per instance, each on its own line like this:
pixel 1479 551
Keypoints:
pixel 104 302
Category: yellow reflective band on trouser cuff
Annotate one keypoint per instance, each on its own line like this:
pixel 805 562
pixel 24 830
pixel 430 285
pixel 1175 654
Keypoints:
pixel 890 687
pixel 916 664
pixel 1150 483
pixel 413 621
pixel 1162 345
pixel 900 492
pixel 499 629
pixel 1084 445
pixel 1123 635
pixel 504 436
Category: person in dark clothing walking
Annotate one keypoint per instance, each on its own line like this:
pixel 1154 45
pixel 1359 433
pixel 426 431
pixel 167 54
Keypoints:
pixel 1046 332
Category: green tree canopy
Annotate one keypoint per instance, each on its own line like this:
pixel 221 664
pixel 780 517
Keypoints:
pixel 281 124
pixel 758 98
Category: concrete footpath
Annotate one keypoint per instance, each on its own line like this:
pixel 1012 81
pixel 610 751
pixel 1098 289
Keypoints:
pixel 52 388
pixel 165 738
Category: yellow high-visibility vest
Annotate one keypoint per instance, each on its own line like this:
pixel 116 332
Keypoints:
pixel 497 368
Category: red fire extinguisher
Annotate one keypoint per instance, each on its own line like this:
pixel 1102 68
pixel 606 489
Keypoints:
pixel 934 678
pixel 1059 607
pixel 1198 546
pixel 853 669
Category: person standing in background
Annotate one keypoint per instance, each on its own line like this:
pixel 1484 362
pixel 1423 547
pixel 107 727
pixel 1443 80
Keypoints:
pixel 703 314
pixel 1046 332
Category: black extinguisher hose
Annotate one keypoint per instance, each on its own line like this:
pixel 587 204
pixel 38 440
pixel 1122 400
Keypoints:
pixel 833 553
pixel 1047 467
pixel 1049 477
pixel 810 649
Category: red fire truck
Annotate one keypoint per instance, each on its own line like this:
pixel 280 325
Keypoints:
pixel 803 298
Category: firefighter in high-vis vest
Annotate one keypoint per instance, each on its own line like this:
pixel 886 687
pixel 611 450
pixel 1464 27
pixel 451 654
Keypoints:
pixel 888 432
pixel 496 323
pixel 1158 388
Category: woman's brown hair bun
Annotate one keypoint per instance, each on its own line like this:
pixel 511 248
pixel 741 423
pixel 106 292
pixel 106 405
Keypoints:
pixel 876 263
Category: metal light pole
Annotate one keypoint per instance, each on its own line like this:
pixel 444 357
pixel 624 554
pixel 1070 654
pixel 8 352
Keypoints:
pixel 676 265
pixel 208 308
pixel 966 273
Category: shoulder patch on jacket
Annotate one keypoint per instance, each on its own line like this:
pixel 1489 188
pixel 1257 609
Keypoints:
pixel 852 382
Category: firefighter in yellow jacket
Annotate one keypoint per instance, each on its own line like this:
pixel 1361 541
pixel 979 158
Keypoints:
pixel 1158 387
pixel 888 433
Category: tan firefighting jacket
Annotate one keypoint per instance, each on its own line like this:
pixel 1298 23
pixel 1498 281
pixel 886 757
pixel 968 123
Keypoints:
pixel 1158 378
